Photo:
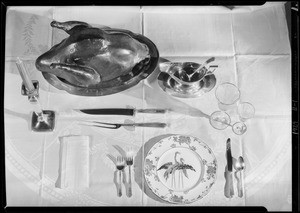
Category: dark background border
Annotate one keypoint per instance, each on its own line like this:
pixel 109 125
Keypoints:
pixel 292 21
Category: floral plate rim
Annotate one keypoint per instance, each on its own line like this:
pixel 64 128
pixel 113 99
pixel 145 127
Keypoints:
pixel 176 197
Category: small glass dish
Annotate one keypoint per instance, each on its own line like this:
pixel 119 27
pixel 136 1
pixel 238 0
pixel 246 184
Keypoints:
pixel 219 120
pixel 239 128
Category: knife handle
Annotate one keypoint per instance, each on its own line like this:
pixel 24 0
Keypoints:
pixel 151 110
pixel 231 186
pixel 239 185
pixel 228 189
pixel 119 186
pixel 129 193
pixel 153 124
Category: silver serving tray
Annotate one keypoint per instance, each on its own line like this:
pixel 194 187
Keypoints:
pixel 117 84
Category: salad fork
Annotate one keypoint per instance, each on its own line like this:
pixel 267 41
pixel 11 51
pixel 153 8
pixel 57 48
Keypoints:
pixel 120 164
pixel 129 163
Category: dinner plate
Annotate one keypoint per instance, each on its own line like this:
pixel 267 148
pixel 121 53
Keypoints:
pixel 118 84
pixel 180 169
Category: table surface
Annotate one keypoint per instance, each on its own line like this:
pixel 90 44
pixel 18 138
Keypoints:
pixel 252 49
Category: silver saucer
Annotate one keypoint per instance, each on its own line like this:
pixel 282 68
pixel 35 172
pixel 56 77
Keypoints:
pixel 205 85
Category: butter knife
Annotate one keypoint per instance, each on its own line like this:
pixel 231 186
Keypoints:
pixel 228 189
pixel 121 111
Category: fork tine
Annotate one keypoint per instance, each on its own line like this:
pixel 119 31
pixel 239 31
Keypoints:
pixel 112 126
pixel 109 125
pixel 118 159
pixel 115 126
pixel 120 150
pixel 113 159
pixel 129 153
pixel 98 122
pixel 129 149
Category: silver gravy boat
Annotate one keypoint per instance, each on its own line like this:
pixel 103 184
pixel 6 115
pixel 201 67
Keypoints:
pixel 187 76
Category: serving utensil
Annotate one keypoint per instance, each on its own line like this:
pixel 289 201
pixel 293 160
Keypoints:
pixel 228 189
pixel 239 166
pixel 128 124
pixel 203 65
pixel 121 111
pixel 120 164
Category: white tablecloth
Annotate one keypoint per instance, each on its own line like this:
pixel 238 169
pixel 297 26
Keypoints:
pixel 252 49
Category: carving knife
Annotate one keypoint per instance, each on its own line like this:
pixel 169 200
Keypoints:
pixel 228 189
pixel 121 111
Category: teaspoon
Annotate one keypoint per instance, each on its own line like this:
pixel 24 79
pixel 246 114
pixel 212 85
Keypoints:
pixel 239 167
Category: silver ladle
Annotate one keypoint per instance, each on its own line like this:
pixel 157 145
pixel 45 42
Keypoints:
pixel 239 166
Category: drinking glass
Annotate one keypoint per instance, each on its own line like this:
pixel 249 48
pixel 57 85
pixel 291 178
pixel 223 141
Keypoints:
pixel 246 111
pixel 227 95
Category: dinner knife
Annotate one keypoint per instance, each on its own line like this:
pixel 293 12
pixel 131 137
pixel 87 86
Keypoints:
pixel 228 189
pixel 121 111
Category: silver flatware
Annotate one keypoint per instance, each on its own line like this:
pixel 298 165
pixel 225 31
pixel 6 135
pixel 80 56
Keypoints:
pixel 125 155
pixel 228 189
pixel 114 160
pixel 203 65
pixel 129 163
pixel 239 166
pixel 121 111
pixel 120 164
pixel 127 125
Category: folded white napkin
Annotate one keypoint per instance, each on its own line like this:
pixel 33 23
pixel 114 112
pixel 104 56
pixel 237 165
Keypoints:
pixel 73 162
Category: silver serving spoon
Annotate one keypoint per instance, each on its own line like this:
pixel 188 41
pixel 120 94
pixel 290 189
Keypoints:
pixel 239 166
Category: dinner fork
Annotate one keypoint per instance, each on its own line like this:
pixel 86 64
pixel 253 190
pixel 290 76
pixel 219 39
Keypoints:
pixel 120 164
pixel 129 162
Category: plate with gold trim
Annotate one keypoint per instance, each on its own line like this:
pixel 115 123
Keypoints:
pixel 180 169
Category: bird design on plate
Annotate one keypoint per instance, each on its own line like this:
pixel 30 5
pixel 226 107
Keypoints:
pixel 178 166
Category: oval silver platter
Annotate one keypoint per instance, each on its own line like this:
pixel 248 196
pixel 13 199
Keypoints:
pixel 117 84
